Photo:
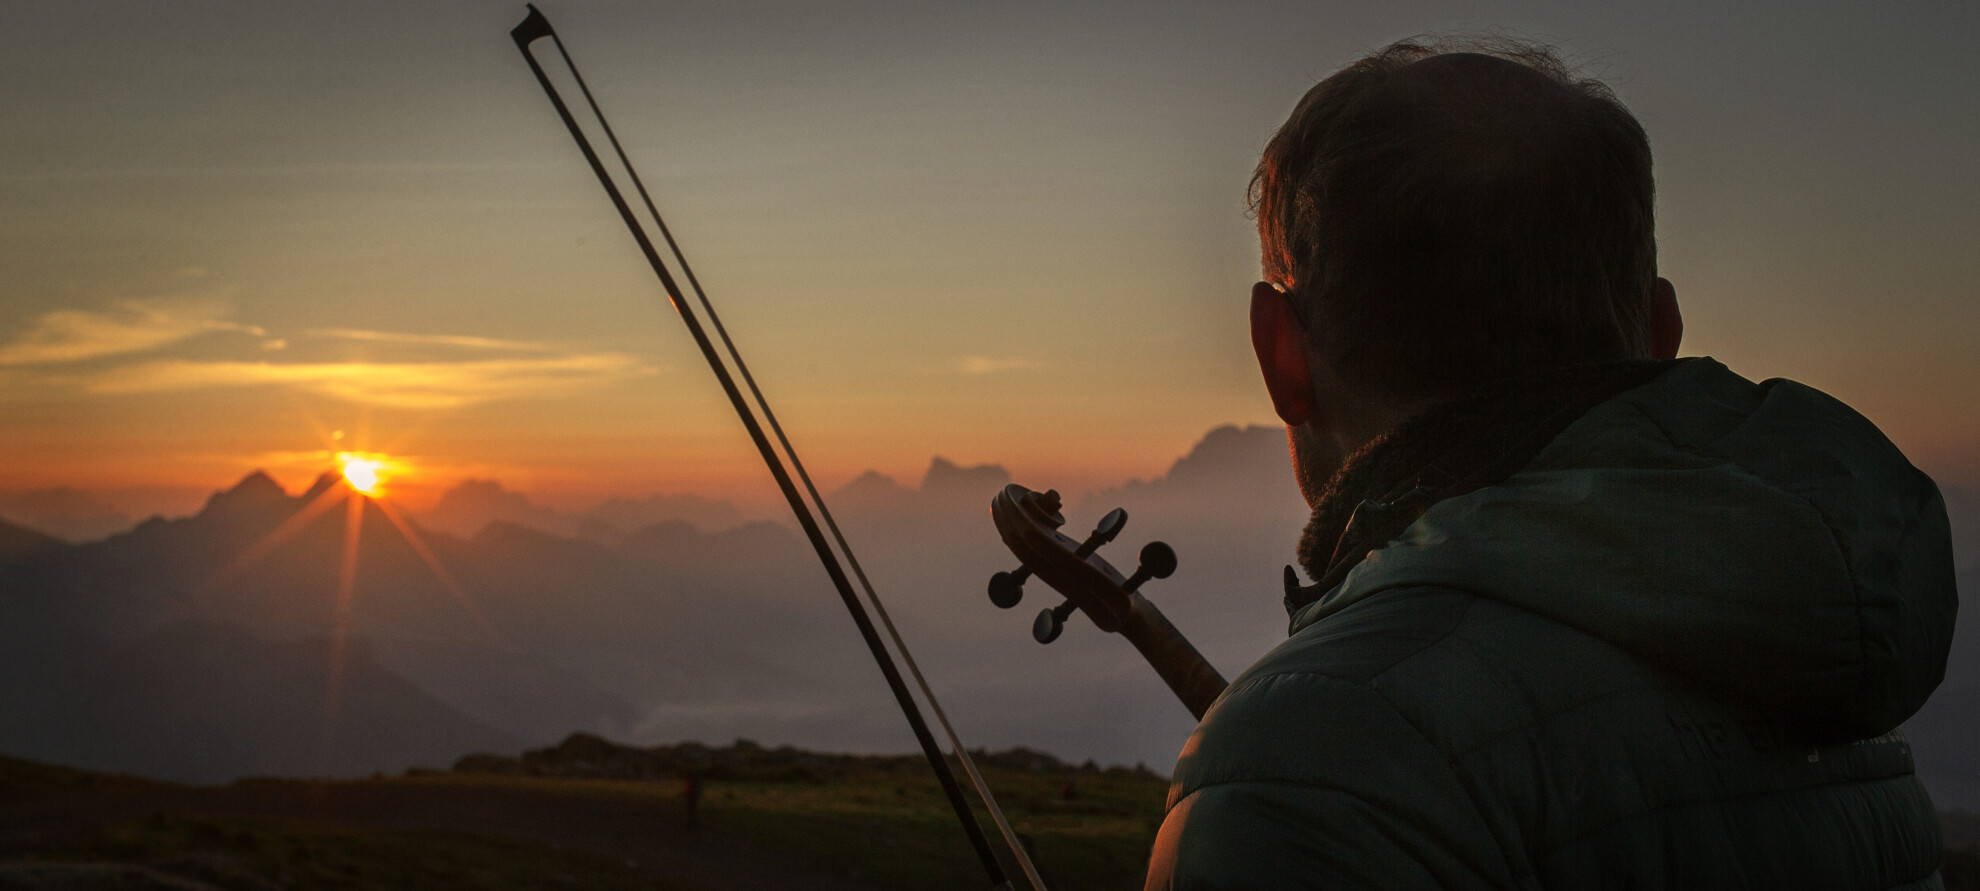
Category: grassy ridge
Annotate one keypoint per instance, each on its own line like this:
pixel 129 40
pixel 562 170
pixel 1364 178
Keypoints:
pixel 883 818
pixel 841 822
pixel 780 819
pixel 898 828
pixel 264 853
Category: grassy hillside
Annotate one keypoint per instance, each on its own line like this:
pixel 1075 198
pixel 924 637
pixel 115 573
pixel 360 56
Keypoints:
pixel 591 814
pixel 768 818
pixel 264 852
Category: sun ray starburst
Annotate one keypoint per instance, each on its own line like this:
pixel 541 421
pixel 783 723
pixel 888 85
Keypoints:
pixel 346 591
pixel 418 543
pixel 358 479
pixel 318 506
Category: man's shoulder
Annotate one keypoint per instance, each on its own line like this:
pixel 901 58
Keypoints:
pixel 1436 670
pixel 1512 745
pixel 1336 755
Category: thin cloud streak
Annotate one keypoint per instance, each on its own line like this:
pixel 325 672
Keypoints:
pixel 458 340
pixel 72 335
pixel 414 385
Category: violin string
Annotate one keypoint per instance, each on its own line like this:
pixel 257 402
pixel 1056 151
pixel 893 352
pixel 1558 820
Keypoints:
pixel 537 26
pixel 825 513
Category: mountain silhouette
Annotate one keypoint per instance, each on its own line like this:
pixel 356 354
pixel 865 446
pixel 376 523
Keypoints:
pixel 154 652
pixel 201 702
pixel 65 513
pixel 200 647
pixel 632 514
pixel 946 493
pixel 471 505
pixel 19 542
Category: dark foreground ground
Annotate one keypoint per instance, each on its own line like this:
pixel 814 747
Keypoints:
pixel 588 814
pixel 825 823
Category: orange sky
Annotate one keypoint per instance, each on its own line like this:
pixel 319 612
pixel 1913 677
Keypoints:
pixel 1013 237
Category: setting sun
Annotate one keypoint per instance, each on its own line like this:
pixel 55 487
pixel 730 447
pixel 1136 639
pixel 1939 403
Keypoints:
pixel 361 473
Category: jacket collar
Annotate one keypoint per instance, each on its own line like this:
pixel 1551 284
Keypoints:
pixel 1474 439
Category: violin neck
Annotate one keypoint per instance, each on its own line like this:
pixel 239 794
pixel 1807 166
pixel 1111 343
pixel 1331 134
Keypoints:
pixel 1184 669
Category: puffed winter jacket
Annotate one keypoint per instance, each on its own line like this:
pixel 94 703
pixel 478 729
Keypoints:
pixel 1669 653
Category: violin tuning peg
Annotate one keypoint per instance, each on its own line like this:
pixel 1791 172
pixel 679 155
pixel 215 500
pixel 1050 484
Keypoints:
pixel 1048 503
pixel 1110 525
pixel 1159 558
pixel 1050 623
pixel 1158 561
pixel 1007 588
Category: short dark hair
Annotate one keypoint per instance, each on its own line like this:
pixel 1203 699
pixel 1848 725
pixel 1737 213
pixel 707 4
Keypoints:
pixel 1446 213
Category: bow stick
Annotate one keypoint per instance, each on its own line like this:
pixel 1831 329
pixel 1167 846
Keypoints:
pixel 534 27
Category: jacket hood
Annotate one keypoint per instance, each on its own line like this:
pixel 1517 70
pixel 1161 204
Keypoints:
pixel 1762 540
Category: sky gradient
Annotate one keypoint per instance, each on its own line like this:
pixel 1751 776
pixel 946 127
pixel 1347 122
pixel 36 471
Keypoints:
pixel 247 235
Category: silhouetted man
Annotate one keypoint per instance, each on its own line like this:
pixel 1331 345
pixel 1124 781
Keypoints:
pixel 1582 615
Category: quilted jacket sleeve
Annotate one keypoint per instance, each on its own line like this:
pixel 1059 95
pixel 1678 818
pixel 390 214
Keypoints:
pixel 1306 781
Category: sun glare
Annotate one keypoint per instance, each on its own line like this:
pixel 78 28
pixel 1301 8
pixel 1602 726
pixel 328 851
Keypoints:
pixel 366 474
pixel 361 473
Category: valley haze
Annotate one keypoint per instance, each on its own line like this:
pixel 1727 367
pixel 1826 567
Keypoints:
pixel 159 651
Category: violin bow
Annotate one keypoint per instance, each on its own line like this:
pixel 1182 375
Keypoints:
pixel 534 27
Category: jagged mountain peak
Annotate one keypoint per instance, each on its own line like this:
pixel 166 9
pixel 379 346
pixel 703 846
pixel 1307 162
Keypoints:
pixel 872 480
pixel 255 492
pixel 1231 449
pixel 258 483
pixel 474 503
pixel 945 479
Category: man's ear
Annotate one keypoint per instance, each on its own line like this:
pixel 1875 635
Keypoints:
pixel 1666 324
pixel 1279 339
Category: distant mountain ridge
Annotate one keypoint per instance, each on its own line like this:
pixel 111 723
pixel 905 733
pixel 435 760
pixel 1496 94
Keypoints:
pixel 199 648
pixel 473 504
pixel 65 513
pixel 202 648
pixel 19 541
pixel 123 655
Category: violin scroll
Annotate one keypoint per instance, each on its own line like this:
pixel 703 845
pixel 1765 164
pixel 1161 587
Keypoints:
pixel 1007 588
pixel 1158 561
pixel 1029 524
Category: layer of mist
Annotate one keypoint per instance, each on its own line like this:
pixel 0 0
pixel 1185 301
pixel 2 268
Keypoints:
pixel 224 644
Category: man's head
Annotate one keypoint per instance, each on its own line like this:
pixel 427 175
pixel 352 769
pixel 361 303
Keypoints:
pixel 1438 216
